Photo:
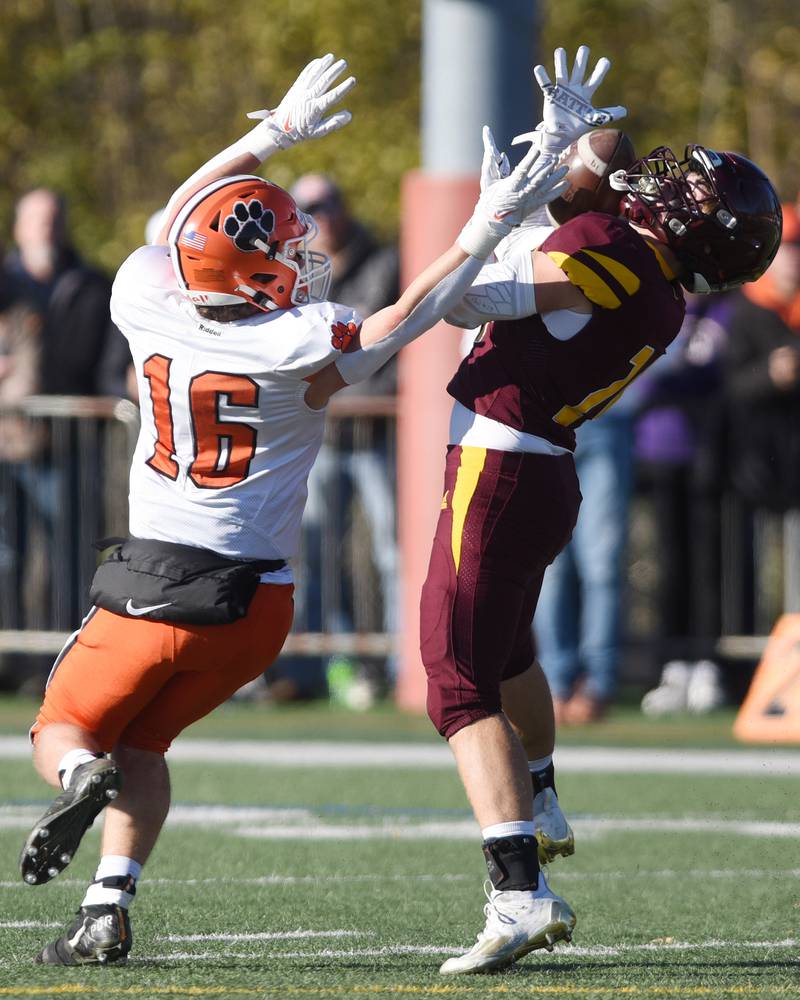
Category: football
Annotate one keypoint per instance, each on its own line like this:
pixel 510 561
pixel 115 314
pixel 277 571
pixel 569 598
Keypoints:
pixel 591 160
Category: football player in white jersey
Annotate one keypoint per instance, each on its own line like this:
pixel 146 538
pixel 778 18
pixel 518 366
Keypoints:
pixel 236 352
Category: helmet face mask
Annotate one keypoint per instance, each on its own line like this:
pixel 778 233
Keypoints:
pixel 717 212
pixel 314 268
pixel 243 240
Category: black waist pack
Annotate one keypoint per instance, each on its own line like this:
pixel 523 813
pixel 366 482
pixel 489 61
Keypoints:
pixel 166 582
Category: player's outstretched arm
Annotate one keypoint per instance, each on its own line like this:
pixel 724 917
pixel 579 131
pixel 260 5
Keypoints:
pixel 302 114
pixel 442 284
pixel 521 284
pixel 509 289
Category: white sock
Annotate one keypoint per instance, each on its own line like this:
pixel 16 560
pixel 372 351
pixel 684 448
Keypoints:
pixel 535 766
pixel 71 760
pixel 517 828
pixel 113 867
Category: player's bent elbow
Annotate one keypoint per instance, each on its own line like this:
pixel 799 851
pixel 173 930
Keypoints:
pixel 461 320
pixel 322 386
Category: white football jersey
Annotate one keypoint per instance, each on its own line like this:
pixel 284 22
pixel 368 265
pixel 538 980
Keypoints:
pixel 226 440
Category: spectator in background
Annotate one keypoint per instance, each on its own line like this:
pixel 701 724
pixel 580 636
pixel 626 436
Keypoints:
pixel 19 367
pixel 20 444
pixel 365 272
pixel 762 390
pixel 83 354
pixel 578 616
pixel 679 453
pixel 366 277
pixel 762 381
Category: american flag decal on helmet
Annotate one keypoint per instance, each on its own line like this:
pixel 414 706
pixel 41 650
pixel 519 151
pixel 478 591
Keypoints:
pixel 193 240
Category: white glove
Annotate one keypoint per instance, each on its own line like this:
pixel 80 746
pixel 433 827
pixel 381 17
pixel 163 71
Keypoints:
pixel 300 115
pixel 568 109
pixel 495 165
pixel 533 183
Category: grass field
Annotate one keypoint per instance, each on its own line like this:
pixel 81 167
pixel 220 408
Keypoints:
pixel 357 881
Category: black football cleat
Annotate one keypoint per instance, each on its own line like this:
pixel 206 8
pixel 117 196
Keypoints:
pixel 99 935
pixel 52 843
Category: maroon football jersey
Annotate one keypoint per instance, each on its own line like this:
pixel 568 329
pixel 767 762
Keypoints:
pixel 522 376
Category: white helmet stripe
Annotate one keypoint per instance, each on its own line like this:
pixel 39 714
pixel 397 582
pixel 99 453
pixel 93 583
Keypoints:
pixel 180 219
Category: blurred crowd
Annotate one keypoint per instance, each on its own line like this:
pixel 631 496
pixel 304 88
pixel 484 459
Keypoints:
pixel 708 434
pixel 56 336
pixel 56 339
pixel 714 425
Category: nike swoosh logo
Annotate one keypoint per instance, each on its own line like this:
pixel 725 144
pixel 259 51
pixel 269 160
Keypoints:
pixel 143 611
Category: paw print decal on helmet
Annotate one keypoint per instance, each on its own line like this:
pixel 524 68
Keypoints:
pixel 249 222
pixel 344 334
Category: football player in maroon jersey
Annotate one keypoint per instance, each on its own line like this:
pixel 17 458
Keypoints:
pixel 572 315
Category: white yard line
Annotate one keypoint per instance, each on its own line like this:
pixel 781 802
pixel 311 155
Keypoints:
pixel 25 924
pixel 268 823
pixel 267 936
pixel 608 760
pixel 267 880
pixel 562 875
pixel 565 952
pixel 215 956
pixel 594 829
pixel 671 873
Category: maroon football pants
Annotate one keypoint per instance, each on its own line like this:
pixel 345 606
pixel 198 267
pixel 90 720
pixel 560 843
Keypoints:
pixel 505 517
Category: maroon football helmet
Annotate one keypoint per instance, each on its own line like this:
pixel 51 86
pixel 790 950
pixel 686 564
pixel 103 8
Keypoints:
pixel 717 212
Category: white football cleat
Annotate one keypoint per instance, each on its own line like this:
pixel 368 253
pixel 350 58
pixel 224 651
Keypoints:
pixel 516 923
pixel 553 833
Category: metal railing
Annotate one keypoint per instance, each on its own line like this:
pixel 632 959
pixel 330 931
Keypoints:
pixel 760 575
pixel 751 560
pixel 63 473
pixel 64 485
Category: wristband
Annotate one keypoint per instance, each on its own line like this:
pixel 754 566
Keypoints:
pixel 481 235
pixel 265 139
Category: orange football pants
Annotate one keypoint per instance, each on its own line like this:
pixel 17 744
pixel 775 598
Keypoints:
pixel 137 682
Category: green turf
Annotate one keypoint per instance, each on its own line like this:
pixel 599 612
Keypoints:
pixel 734 896
pixel 625 726
pixel 354 791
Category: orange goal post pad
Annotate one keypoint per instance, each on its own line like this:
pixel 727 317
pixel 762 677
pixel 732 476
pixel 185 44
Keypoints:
pixel 771 711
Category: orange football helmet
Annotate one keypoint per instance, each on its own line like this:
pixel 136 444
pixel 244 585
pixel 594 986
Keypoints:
pixel 243 239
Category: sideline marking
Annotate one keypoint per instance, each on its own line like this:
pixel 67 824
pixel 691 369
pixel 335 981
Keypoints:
pixel 313 880
pixel 25 924
pixel 267 936
pixel 275 880
pixel 586 951
pixel 317 753
pixel 591 828
pixel 304 823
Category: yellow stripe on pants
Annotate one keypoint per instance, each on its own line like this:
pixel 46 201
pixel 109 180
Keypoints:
pixel 469 471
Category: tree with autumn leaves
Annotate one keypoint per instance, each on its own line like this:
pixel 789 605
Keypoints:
pixel 114 101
